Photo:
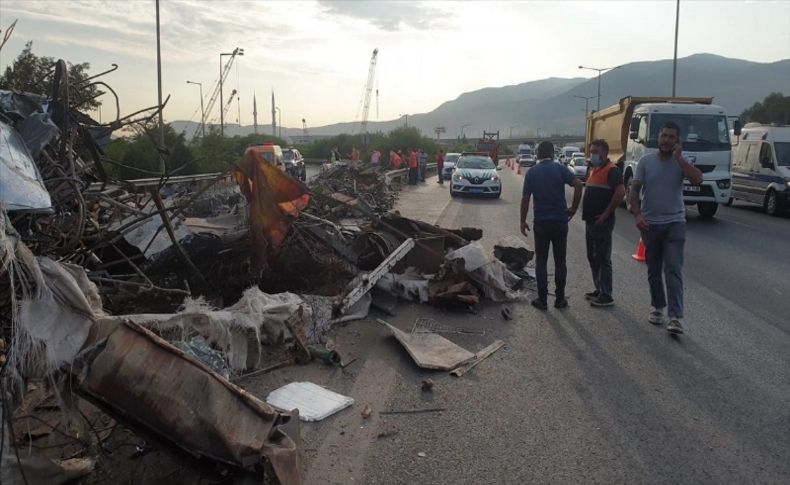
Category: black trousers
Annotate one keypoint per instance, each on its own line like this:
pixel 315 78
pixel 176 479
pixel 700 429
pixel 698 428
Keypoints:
pixel 554 235
pixel 413 175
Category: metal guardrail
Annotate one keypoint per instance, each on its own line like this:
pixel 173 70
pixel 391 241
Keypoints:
pixel 403 173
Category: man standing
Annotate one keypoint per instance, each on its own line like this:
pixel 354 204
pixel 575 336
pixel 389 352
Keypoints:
pixel 423 159
pixel 440 165
pixel 603 193
pixel 661 218
pixel 413 167
pixel 546 182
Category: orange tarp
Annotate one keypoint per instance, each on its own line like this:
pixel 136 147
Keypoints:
pixel 274 199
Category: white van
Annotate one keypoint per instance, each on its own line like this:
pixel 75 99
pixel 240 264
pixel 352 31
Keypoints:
pixel 761 167
pixel 568 151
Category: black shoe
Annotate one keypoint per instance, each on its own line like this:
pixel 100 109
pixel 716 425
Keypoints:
pixel 561 303
pixel 540 304
pixel 593 295
pixel 603 301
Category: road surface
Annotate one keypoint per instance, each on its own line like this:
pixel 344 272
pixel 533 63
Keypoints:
pixel 580 395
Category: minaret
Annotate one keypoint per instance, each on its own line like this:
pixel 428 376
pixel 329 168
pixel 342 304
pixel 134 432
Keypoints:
pixel 254 113
pixel 274 119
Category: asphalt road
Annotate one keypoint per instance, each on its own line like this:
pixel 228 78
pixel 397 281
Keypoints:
pixel 580 395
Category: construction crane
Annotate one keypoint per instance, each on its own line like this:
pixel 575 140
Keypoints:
pixel 368 92
pixel 215 93
pixel 227 106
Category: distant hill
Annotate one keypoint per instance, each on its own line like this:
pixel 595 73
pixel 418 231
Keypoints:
pixel 549 106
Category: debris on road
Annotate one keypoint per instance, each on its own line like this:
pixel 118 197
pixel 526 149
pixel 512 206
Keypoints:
pixel 414 411
pixel 429 350
pixel 312 401
pixel 427 385
pixel 429 325
pixel 479 357
pixel 366 412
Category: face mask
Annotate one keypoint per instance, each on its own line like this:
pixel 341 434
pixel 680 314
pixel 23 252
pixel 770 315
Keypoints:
pixel 596 160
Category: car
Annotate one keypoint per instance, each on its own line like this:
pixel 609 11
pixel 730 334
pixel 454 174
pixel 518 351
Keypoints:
pixel 567 152
pixel 476 174
pixel 761 167
pixel 527 160
pixel 294 163
pixel 449 165
pixel 271 153
pixel 579 166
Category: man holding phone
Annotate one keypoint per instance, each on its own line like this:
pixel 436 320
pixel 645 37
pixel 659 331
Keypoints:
pixel 661 219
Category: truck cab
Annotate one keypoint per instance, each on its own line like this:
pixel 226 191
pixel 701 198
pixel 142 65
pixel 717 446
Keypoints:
pixel 705 136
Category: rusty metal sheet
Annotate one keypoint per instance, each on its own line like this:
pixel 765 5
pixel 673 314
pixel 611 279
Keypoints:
pixel 152 386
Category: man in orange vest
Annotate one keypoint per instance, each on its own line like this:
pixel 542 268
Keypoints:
pixel 603 193
pixel 413 167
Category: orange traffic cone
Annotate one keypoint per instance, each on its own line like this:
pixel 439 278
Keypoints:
pixel 640 252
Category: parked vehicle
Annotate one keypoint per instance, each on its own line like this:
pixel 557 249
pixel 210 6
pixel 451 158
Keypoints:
pixel 579 166
pixel 761 167
pixel 273 154
pixel 527 160
pixel 294 163
pixel 476 174
pixel 631 128
pixel 449 165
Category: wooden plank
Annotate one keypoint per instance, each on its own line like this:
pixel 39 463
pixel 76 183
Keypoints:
pixel 483 354
pixel 429 350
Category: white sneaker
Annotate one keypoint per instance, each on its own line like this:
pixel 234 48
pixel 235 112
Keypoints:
pixel 656 316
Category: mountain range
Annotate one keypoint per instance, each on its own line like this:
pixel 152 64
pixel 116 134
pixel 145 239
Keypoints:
pixel 548 105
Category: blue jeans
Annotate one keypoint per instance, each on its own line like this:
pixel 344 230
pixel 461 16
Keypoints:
pixel 664 256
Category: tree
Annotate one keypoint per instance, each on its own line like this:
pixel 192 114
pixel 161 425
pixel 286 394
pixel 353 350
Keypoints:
pixel 775 108
pixel 33 74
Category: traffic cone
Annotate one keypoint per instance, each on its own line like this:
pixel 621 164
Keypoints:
pixel 640 252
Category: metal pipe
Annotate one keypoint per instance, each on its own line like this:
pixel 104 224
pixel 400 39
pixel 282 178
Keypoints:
pixel 675 58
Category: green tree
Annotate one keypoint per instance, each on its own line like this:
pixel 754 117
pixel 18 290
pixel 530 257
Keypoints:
pixel 33 74
pixel 775 108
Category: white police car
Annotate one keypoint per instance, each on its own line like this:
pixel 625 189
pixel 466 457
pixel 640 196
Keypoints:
pixel 476 174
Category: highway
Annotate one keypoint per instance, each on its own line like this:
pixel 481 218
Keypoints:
pixel 580 395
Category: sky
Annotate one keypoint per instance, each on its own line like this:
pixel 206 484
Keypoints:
pixel 315 55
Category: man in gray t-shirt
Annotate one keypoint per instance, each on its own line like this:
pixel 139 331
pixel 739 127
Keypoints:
pixel 661 219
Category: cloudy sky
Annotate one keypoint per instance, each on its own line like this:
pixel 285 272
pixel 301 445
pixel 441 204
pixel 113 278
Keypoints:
pixel 315 54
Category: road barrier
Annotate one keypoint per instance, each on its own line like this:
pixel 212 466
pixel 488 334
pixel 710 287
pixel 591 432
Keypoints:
pixel 403 174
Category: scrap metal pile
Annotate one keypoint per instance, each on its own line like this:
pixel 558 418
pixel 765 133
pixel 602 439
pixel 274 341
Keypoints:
pixel 140 301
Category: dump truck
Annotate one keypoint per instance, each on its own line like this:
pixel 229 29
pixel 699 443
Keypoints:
pixel 490 144
pixel 631 129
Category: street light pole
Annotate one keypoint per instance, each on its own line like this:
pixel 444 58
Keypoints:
pixel 202 111
pixel 279 122
pixel 159 89
pixel 462 129
pixel 675 58
pixel 600 70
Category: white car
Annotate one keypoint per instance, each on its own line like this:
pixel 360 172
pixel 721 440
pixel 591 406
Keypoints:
pixel 579 166
pixel 449 164
pixel 476 175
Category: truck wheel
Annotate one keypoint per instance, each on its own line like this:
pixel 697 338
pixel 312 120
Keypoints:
pixel 627 199
pixel 773 206
pixel 707 209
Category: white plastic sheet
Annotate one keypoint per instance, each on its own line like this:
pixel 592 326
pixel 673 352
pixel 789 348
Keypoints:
pixel 313 401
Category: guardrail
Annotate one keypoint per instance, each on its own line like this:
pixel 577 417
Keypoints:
pixel 403 173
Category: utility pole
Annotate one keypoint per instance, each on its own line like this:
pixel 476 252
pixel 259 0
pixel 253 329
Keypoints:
pixel 202 111
pixel 600 70
pixel 254 113
pixel 675 58
pixel 159 88
pixel 274 120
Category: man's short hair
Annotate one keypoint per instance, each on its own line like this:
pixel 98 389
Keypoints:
pixel 672 126
pixel 545 150
pixel 601 144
